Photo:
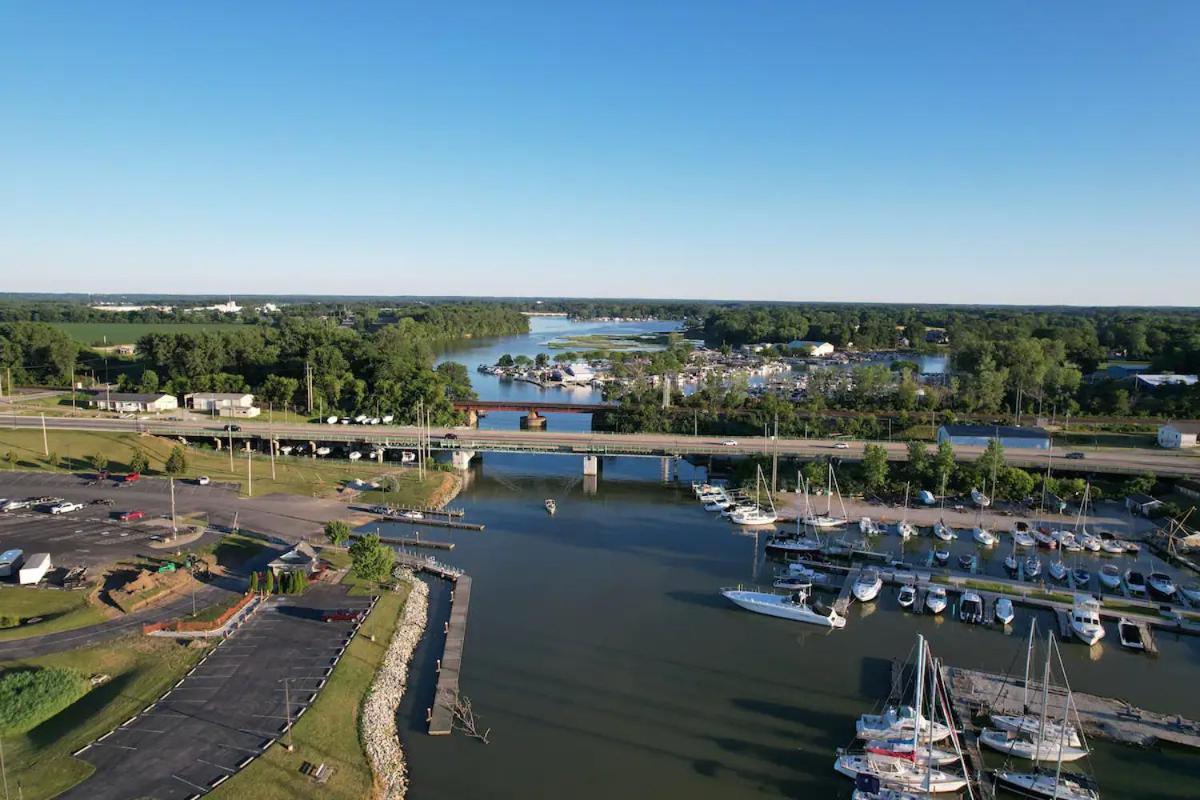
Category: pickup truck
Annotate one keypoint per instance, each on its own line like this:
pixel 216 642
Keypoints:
pixel 65 507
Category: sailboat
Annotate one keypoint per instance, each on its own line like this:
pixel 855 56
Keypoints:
pixel 940 529
pixel 801 543
pixel 980 499
pixel 903 527
pixel 1030 724
pixel 827 520
pixel 757 515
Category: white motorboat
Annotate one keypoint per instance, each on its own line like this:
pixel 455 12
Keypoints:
pixel 1066 541
pixel 895 773
pixel 721 504
pixel 935 599
pixel 407 457
pixel 355 455
pixel 1085 620
pixel 823 521
pixel 1161 584
pixel 1110 577
pixel 941 556
pixel 323 451
pixel 907 595
pixel 903 748
pixel 1089 542
pixel 970 608
pixel 943 531
pixel 899 722
pixel 792 606
pixel 983 536
pixel 1046 784
pixel 1058 570
pixel 1018 746
pixel 794 582
pixel 1004 611
pixel 868 527
pixel 551 506
pixel 1135 582
pixel 980 499
pixel 1130 634
pixel 729 511
pixel 801 571
pixel 1021 535
pixel 1113 547
pixel 1033 568
pixel 867 585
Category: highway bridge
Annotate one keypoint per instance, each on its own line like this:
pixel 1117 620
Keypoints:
pixel 464 443
pixel 533 411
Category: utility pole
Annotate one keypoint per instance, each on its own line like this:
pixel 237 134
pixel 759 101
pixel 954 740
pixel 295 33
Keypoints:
pixel 308 380
pixel 72 388
pixel 249 473
pixel 775 457
pixel 420 446
pixel 229 436
pixel 45 441
pixel 174 526
pixel 271 434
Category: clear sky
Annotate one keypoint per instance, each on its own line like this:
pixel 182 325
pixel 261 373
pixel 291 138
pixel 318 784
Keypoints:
pixel 1027 152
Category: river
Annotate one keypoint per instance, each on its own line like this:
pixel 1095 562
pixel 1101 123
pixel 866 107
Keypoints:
pixel 606 665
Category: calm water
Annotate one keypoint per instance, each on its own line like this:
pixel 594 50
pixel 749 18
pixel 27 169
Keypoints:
pixel 607 665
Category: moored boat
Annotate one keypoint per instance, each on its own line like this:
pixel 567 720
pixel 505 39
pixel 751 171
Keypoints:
pixel 906 596
pixel 1085 620
pixel 551 506
pixel 935 599
pixel 793 606
pixel 866 585
pixel 1130 634
pixel 1161 585
pixel 983 536
pixel 1018 746
pixel 1047 785
pixel 1004 611
pixel 1110 577
pixel 970 608
pixel 943 531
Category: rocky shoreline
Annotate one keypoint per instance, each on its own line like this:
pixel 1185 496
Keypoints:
pixel 378 723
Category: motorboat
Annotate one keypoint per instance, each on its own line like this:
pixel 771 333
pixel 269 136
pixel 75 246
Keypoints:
pixel 1190 592
pixel 970 608
pixel 1018 746
pixel 1067 541
pixel 935 599
pixel 1132 547
pixel 869 527
pixel 899 722
pixel 323 451
pixel 1110 577
pixel 968 562
pixel 907 595
pixel 1085 620
pixel 794 582
pixel 1004 611
pixel 943 531
pixel 1089 542
pixel 1033 567
pixel 354 455
pixel 942 557
pixel 721 504
pixel 1161 585
pixel 980 499
pixel 905 529
pixel 551 506
pixel 896 773
pixel 412 515
pixel 730 510
pixel 1081 577
pixel 800 571
pixel 1047 784
pixel 1021 535
pixel 983 536
pixel 793 606
pixel 867 585
pixel 1044 539
pixel 1113 547
pixel 1130 634
pixel 1011 563
pixel 1135 582
pixel 407 457
pixel 1058 570
pixel 903 748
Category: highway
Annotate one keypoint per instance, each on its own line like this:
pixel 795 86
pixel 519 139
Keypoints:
pixel 1097 460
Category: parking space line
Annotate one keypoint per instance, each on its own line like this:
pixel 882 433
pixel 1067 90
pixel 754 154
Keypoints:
pixel 218 766
pixel 189 783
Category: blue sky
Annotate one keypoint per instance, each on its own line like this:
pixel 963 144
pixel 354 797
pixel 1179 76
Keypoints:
pixel 1023 152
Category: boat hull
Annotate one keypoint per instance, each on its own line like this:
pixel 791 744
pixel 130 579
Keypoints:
pixel 773 605
pixel 1001 741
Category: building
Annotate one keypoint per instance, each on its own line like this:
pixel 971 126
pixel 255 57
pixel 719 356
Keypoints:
pixel 1120 370
pixel 1008 435
pixel 578 373
pixel 34 569
pixel 301 558
pixel 1175 435
pixel 1144 381
pixel 222 404
pixel 134 402
pixel 1142 504
pixel 813 348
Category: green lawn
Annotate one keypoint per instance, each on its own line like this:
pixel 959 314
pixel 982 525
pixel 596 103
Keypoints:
pixel 130 332
pixel 328 731
pixel 140 669
pixel 59 610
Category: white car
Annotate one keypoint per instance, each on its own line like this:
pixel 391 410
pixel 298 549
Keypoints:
pixel 65 507
pixel 729 443
pixel 841 446
pixel 203 480
pixel 13 505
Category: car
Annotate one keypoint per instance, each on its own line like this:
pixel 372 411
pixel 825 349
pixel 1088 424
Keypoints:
pixel 131 516
pixel 65 507
pixel 232 428
pixel 450 436
pixel 841 446
pixel 102 501
pixel 203 480
pixel 132 477
pixel 15 505
pixel 342 615
pixel 1076 456
pixel 729 443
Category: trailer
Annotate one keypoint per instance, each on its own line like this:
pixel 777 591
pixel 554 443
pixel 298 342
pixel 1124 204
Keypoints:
pixel 10 562
pixel 35 569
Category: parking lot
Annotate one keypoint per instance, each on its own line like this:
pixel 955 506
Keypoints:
pixel 229 708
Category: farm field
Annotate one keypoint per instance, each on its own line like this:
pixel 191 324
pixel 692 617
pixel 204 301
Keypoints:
pixel 130 332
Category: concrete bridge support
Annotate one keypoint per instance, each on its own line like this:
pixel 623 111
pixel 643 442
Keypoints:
pixel 591 465
pixel 472 417
pixel 312 450
pixel 461 459
pixel 217 443
pixel 533 421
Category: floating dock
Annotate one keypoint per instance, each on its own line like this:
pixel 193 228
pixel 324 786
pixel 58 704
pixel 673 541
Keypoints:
pixel 441 716
pixel 429 522
pixel 404 541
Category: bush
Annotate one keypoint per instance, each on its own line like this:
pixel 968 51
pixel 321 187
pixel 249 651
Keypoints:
pixel 9 621
pixel 29 697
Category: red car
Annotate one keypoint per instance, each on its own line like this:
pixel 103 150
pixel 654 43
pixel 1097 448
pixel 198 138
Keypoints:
pixel 133 477
pixel 130 516
pixel 342 615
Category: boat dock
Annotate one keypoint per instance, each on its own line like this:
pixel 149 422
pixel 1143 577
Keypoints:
pixel 441 716
pixel 445 512
pixel 429 522
pixel 1103 717
pixel 404 541
pixel 842 604
pixel 429 564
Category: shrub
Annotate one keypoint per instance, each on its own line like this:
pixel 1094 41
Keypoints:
pixel 29 697
pixel 9 621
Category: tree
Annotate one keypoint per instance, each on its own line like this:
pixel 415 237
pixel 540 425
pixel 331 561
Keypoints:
pixel 1141 484
pixel 99 461
pixel 372 560
pixel 815 474
pixel 138 462
pixel 1014 483
pixel 874 467
pixel 337 532
pixel 176 461
pixel 990 461
pixel 253 582
pixel 11 458
pixel 918 461
pixel 542 360
pixel 53 459
pixel 505 361
pixel 149 382
pixel 270 587
pixel 943 461
pixel 279 390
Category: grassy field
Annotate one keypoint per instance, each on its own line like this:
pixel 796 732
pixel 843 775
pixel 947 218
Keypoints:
pixel 328 732
pixel 140 669
pixel 310 477
pixel 130 332
pixel 60 611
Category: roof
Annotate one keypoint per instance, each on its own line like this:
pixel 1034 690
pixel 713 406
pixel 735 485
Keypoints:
pixel 130 397
pixel 299 554
pixel 990 431
pixel 1168 380
pixel 221 395
pixel 1142 499
pixel 1184 427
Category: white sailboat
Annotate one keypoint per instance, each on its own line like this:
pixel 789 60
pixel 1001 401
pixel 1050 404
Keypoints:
pixel 1032 724
pixel 940 529
pixel 799 544
pixel 757 515
pixel 903 528
pixel 793 606
pixel 827 520
pixel 980 499
pixel 899 722
pixel 1042 784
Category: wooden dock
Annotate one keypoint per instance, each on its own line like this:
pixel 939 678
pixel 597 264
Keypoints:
pixel 842 604
pixel 429 564
pixel 445 512
pixel 429 522
pixel 441 716
pixel 404 541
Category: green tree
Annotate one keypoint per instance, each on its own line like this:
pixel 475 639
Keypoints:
pixel 505 361
pixel 176 461
pixel 11 458
pixel 254 582
pixel 943 461
pixel 1014 483
pixel 279 390
pixel 874 467
pixel 372 560
pixel 337 532
pixel 918 461
pixel 990 462
pixel 270 587
pixel 1141 484
pixel 815 473
pixel 138 462
pixel 99 461
pixel 149 382
pixel 54 460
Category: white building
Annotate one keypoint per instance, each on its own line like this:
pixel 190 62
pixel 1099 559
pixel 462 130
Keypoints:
pixel 222 404
pixel 813 348
pixel 133 402
pixel 1175 435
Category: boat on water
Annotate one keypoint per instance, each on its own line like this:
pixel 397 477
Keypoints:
pixel 942 557
pixel 793 606
pixel 551 506
pixel 788 544
pixel 757 516
pixel 903 528
pixel 1081 577
pixel 1058 570
pixel 1190 592
pixel 1021 535
pixel 1048 785
pixel 1004 611
pixel 867 585
pixel 899 722
pixel 907 595
pixel 795 582
pixel 1135 582
pixel 869 527
pixel 407 457
pixel 354 455
pixel 1085 620
pixel 827 520
pixel 412 515
pixel 895 773
pixel 935 600
pixel 983 536
pixel 1089 542
pixel 903 748
pixel 980 499
pixel 970 608
pixel 1018 746
pixel 943 531
pixel 1066 541
pixel 968 562
pixel 1033 725
pixel 1044 539
pixel 1112 547
pixel 1161 585
pixel 1011 563
pixel 1130 634
pixel 1033 567
pixel 1110 577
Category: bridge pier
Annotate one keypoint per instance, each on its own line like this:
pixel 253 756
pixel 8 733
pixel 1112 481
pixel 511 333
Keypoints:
pixel 472 418
pixel 591 465
pixel 461 459
pixel 312 450
pixel 217 443
pixel 533 420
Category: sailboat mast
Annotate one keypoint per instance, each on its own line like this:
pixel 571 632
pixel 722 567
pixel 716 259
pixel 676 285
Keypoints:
pixel 933 695
pixel 917 712
pixel 1028 658
pixel 1045 695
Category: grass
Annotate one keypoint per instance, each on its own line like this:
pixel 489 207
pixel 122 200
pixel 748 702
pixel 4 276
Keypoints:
pixel 310 477
pixel 139 670
pixel 328 731
pixel 29 697
pixel 130 332
pixel 59 610
pixel 234 549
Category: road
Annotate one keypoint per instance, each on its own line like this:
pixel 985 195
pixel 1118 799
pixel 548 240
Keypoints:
pixel 1115 460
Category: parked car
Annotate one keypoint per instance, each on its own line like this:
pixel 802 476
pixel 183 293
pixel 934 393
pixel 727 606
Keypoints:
pixel 102 501
pixel 232 428
pixel 203 480
pixel 729 443
pixel 14 505
pixel 343 615
pixel 1076 456
pixel 132 477
pixel 450 436
pixel 65 507
pixel 841 446
pixel 131 516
